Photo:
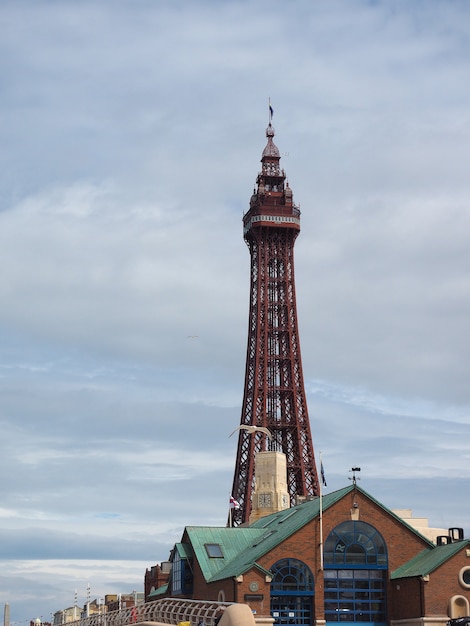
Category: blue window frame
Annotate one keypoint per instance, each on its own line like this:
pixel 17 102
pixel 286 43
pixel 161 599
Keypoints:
pixel 176 575
pixel 291 575
pixel 292 590
pixel 356 563
pixel 355 543
pixel 181 576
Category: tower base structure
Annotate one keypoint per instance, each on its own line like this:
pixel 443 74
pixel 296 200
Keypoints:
pixel 270 493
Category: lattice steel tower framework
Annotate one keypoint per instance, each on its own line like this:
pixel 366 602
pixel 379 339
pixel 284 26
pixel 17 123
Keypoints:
pixel 274 395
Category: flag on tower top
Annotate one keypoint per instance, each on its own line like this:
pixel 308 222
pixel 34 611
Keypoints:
pixel 271 111
pixel 233 503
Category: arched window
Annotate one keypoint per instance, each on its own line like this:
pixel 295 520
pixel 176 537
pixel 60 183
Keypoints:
pixel 291 575
pixel 355 543
pixel 355 559
pixel 292 589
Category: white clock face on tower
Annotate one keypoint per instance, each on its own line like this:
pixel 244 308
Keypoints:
pixel 264 499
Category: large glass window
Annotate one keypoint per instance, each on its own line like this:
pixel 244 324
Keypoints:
pixel 176 575
pixel 292 589
pixel 355 558
pixel 355 595
pixel 355 543
pixel 181 576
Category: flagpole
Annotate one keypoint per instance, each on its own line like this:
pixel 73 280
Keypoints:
pixel 321 516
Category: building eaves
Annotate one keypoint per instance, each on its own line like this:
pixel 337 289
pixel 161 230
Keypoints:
pixel 243 546
pixel 232 542
pixel 429 560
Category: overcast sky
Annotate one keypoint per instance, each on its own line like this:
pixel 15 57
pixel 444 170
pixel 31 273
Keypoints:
pixel 131 134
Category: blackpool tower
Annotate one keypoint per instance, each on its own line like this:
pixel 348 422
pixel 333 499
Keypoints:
pixel 274 394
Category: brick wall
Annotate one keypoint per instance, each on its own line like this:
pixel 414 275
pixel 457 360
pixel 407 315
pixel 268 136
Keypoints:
pixel 407 598
pixel 443 584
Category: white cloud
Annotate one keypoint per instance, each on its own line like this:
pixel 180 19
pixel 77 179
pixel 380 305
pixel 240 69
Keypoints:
pixel 130 142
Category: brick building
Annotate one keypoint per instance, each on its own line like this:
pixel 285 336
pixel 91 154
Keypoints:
pixel 155 577
pixel 340 557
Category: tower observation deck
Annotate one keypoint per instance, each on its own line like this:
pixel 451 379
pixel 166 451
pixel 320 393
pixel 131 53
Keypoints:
pixel 274 393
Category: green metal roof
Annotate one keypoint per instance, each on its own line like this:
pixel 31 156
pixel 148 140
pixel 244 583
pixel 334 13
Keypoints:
pixel 429 560
pixel 232 541
pixel 276 528
pixel 244 545
pixel 184 550
pixel 161 591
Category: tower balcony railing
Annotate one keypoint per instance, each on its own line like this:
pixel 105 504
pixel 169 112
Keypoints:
pixel 273 219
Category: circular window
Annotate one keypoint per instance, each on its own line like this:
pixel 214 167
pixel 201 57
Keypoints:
pixel 464 577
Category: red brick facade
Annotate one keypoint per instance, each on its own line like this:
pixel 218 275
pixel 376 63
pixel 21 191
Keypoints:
pixel 407 598
pixel 155 577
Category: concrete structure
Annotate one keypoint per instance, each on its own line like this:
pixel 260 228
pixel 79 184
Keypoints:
pixel 118 601
pixel 67 616
pixel 421 524
pixel 270 493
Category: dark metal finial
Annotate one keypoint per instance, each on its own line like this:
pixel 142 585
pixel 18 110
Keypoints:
pixel 354 477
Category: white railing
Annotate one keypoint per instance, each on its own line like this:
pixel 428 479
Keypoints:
pixel 167 611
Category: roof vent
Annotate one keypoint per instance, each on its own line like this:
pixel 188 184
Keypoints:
pixel 290 514
pixel 265 536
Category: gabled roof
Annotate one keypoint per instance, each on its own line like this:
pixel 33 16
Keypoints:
pixel 232 541
pixel 429 560
pixel 242 546
pixel 397 517
pixel 184 550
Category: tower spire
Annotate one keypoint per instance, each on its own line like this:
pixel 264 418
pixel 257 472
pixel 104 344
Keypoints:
pixel 274 394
